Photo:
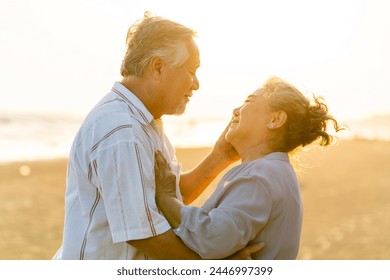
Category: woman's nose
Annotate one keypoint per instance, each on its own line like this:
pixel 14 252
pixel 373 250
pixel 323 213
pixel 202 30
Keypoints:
pixel 236 111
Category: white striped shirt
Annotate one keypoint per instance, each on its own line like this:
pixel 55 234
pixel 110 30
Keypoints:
pixel 110 196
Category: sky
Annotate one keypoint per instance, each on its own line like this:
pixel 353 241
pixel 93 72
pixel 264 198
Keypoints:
pixel 63 56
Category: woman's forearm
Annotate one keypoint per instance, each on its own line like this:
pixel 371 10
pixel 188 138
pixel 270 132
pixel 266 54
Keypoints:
pixel 170 207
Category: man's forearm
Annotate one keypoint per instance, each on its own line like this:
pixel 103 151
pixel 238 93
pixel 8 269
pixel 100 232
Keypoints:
pixel 166 246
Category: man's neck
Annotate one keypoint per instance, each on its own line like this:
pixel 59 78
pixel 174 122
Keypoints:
pixel 142 89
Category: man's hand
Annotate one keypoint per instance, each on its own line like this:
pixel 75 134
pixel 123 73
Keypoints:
pixel 224 149
pixel 247 252
pixel 194 182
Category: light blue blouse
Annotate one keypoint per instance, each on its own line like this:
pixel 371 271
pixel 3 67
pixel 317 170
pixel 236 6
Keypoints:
pixel 255 201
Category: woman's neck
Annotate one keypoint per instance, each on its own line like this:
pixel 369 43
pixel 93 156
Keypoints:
pixel 253 152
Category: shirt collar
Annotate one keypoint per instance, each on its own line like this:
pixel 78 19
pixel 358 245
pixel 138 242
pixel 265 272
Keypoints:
pixel 140 112
pixel 278 156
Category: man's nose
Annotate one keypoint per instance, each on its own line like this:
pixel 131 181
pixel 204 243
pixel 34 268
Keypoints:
pixel 195 83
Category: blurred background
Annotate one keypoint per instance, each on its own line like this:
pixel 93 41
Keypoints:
pixel 58 58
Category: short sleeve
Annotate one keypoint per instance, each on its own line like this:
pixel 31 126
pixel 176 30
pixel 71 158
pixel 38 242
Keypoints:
pixel 242 211
pixel 125 176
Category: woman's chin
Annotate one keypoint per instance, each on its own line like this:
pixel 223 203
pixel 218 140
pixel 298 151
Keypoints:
pixel 229 135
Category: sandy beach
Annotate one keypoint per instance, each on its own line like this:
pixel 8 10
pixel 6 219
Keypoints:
pixel 345 191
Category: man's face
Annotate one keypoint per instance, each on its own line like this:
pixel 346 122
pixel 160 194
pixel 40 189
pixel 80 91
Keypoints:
pixel 180 82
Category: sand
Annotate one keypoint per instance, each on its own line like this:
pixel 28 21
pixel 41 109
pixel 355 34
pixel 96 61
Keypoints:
pixel 345 190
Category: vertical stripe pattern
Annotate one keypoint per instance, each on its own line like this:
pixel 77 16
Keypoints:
pixel 110 186
pixel 144 192
pixel 91 212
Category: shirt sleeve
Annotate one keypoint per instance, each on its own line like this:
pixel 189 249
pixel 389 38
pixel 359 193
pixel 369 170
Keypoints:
pixel 243 210
pixel 125 175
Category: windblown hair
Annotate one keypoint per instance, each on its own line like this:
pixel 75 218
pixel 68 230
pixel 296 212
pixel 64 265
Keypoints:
pixel 306 120
pixel 151 37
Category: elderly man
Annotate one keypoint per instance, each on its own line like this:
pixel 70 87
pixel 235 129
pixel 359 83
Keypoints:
pixel 110 209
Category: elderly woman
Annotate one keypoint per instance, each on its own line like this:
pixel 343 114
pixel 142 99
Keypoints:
pixel 258 200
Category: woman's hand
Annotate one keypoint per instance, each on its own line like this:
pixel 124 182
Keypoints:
pixel 166 199
pixel 164 178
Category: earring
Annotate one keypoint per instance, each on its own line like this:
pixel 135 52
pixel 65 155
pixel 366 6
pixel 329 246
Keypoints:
pixel 271 126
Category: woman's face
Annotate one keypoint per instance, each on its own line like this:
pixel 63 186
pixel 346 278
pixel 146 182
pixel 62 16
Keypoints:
pixel 250 121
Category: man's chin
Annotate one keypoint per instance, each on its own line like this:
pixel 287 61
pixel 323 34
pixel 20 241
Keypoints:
pixel 180 110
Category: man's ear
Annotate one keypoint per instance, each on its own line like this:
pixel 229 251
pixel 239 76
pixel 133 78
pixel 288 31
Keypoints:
pixel 279 118
pixel 156 65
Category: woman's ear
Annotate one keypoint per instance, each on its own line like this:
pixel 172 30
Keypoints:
pixel 279 118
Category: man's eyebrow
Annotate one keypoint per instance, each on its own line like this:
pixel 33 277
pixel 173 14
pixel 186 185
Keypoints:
pixel 250 96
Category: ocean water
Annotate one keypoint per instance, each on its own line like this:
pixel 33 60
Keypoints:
pixel 25 137
pixel 32 136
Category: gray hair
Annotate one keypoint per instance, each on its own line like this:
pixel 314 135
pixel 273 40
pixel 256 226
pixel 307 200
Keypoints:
pixel 151 37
